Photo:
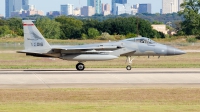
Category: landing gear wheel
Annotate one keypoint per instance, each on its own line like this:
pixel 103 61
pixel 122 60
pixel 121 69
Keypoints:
pixel 129 61
pixel 129 67
pixel 80 66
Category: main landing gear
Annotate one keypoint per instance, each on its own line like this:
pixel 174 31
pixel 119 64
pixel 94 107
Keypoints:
pixel 80 66
pixel 129 61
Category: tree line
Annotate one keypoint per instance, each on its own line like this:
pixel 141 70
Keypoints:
pixel 64 27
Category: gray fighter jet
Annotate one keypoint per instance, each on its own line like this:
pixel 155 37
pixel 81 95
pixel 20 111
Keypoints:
pixel 36 45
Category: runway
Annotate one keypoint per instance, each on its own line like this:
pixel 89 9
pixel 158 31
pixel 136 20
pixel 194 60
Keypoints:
pixel 100 78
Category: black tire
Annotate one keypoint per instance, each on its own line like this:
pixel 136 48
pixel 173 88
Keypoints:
pixel 128 67
pixel 80 66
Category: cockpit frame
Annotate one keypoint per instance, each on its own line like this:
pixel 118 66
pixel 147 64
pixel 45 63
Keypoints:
pixel 142 40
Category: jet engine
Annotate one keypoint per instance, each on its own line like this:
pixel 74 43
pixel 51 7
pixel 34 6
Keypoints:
pixel 89 57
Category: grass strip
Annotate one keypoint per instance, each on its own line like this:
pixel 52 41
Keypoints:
pixel 101 100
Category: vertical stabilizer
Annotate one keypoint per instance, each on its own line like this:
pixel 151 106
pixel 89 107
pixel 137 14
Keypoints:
pixel 33 39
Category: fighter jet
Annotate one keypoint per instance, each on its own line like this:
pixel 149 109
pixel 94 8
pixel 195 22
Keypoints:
pixel 36 45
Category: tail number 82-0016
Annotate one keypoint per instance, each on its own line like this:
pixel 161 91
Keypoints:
pixel 37 44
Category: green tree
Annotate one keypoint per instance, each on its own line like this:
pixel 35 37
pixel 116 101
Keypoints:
pixel 2 22
pixel 157 22
pixel 91 23
pixel 120 25
pixel 15 25
pixel 145 29
pixel 84 36
pixel 70 27
pixel 93 33
pixel 191 24
pixel 131 35
pixel 49 28
pixel 4 30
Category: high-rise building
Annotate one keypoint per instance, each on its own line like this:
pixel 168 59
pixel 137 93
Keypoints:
pixel 144 8
pixel 171 6
pixel 96 4
pixel 77 11
pixel 119 2
pixel 90 3
pixel 67 9
pixel 12 5
pixel 87 11
pixel 25 4
pixel 122 9
pixel 136 6
pixel 29 7
pixel 134 11
pixel 106 9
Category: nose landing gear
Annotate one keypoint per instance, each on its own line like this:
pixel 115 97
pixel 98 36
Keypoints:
pixel 129 61
pixel 128 67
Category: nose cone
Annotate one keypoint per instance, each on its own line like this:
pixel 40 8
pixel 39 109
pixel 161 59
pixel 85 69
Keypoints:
pixel 174 51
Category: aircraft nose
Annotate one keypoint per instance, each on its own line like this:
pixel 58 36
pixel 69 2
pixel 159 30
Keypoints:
pixel 174 51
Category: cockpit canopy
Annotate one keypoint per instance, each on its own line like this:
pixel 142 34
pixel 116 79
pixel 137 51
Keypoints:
pixel 141 40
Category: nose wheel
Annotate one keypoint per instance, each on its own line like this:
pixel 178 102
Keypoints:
pixel 129 61
pixel 128 67
pixel 80 66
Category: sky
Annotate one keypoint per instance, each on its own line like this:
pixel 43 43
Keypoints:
pixel 54 5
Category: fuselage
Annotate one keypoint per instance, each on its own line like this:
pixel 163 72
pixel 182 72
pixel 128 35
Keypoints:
pixel 140 46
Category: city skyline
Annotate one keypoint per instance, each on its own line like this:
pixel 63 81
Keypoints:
pixel 55 5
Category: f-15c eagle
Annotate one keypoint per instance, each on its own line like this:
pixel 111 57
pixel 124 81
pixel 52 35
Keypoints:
pixel 36 45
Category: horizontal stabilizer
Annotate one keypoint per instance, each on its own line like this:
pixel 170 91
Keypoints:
pixel 30 51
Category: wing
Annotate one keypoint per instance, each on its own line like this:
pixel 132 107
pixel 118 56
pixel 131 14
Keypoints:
pixel 112 49
pixel 88 48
